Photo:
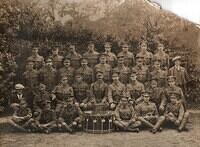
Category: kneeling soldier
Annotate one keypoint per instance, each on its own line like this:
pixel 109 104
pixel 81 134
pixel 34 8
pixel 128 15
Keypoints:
pixel 21 118
pixel 70 118
pixel 125 116
pixel 148 114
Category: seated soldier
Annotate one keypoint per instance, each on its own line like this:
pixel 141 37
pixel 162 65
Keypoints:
pixel 41 96
pixel 46 120
pixel 176 113
pixel 81 93
pixel 125 116
pixel 99 90
pixel 21 118
pixel 148 114
pixel 70 118
pixel 116 91
pixel 61 93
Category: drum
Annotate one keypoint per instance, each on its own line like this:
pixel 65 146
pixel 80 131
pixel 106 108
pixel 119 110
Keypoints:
pixel 98 123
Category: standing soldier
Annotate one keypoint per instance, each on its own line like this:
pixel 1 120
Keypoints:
pixel 141 71
pixel 56 58
pixel 172 89
pixel 30 76
pixel 61 93
pixel 134 88
pixel 124 71
pixel 99 89
pixel 110 56
pixel 129 59
pixel 48 75
pixel 180 73
pixel 91 55
pixel 74 56
pixel 67 71
pixel 36 58
pixel 86 71
pixel 158 74
pixel 125 117
pixel 162 56
pixel 148 114
pixel 104 67
pixel 147 56
pixel 81 92
pixel 116 91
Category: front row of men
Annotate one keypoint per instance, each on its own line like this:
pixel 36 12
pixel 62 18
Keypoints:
pixel 63 109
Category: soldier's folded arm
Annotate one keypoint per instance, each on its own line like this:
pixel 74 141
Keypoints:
pixel 181 113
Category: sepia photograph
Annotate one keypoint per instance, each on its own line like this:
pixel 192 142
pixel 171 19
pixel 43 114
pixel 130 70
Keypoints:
pixel 99 73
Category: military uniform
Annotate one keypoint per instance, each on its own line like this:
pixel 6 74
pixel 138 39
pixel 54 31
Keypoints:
pixel 92 58
pixel 129 59
pixel 68 72
pixel 57 61
pixel 70 118
pixel 160 76
pixel 99 91
pixel 106 69
pixel 75 59
pixel 87 74
pixel 163 58
pixel 48 76
pixel 115 92
pixel 125 117
pixel 82 94
pixel 142 73
pixel 135 90
pixel 110 57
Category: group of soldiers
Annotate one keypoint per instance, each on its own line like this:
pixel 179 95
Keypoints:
pixel 141 90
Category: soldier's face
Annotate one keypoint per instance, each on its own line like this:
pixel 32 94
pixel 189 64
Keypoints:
pixel 160 47
pixel 100 76
pixel 139 62
pixel 143 46
pixel 107 48
pixel 157 65
pixel 91 47
pixel 171 83
pixel 173 99
pixel 177 62
pixel 125 48
pixel 42 87
pixel 66 63
pixel 121 61
pixel 55 51
pixel 84 62
pixel 49 64
pixel 146 98
pixel 72 48
pixel 133 77
pixel 115 78
pixel 35 51
pixel 64 81
pixel 102 59
pixel 154 84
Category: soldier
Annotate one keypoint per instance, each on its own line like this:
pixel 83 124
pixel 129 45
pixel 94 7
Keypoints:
pixel 56 58
pixel 125 117
pixel 74 56
pixel 147 56
pixel 67 71
pixel 86 71
pixel 134 88
pixel 148 114
pixel 99 90
pixel 36 58
pixel 41 96
pixel 71 117
pixel 129 59
pixel 81 92
pixel 31 76
pixel 21 119
pixel 110 57
pixel 104 67
pixel 180 73
pixel 61 93
pixel 48 75
pixel 142 71
pixel 158 74
pixel 116 91
pixel 124 71
pixel 46 120
pixel 91 55
pixel 162 56
pixel 171 89
pixel 176 113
